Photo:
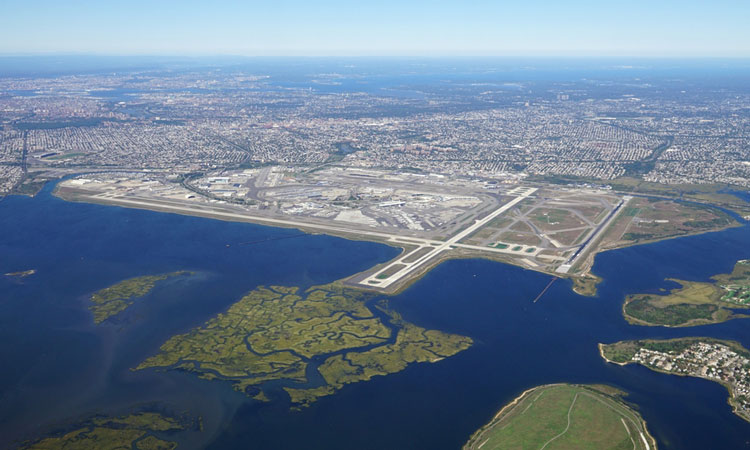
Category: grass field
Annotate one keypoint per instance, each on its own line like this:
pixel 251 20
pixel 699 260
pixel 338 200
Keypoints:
pixel 646 220
pixel 520 238
pixel 65 156
pixel 390 271
pixel 550 219
pixel 705 193
pixel 564 416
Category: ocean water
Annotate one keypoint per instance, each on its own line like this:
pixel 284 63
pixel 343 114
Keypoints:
pixel 59 367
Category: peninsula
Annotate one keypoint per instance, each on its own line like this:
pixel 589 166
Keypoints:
pixel 725 362
pixel 694 303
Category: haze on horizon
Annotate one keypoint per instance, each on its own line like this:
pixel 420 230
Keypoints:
pixel 669 28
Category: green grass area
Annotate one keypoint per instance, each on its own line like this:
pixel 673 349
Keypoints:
pixel 620 352
pixel 659 219
pixel 275 333
pixel 639 236
pixel 387 273
pixel 694 303
pixel 517 248
pixel 415 255
pixel 551 216
pixel 649 219
pixel 705 193
pixel 519 238
pixel 64 156
pixel 643 309
pixel 30 187
pixel 135 431
pixel 530 250
pixel 564 416
pixel 113 300
pixel 586 285
pixel 499 222
pixel 739 294
pixel 501 246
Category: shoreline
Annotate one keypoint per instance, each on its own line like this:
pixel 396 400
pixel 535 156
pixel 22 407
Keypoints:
pixel 590 259
pixel 731 398
pixel 314 229
pixel 518 399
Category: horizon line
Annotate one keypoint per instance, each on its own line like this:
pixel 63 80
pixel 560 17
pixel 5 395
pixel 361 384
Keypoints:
pixel 377 55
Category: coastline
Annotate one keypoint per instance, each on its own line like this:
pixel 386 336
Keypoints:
pixel 589 261
pixel 601 353
pixel 731 399
pixel 519 398
pixel 376 237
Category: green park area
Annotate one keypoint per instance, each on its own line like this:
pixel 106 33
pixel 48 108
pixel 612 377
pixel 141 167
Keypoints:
pixel 275 333
pixel 136 431
pixel 694 302
pixel 117 298
pixel 565 416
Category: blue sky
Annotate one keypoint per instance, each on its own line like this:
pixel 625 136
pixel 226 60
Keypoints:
pixel 686 28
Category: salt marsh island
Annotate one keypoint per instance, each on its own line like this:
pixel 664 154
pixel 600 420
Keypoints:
pixel 279 333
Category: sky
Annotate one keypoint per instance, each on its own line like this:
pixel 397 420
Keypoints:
pixel 647 28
